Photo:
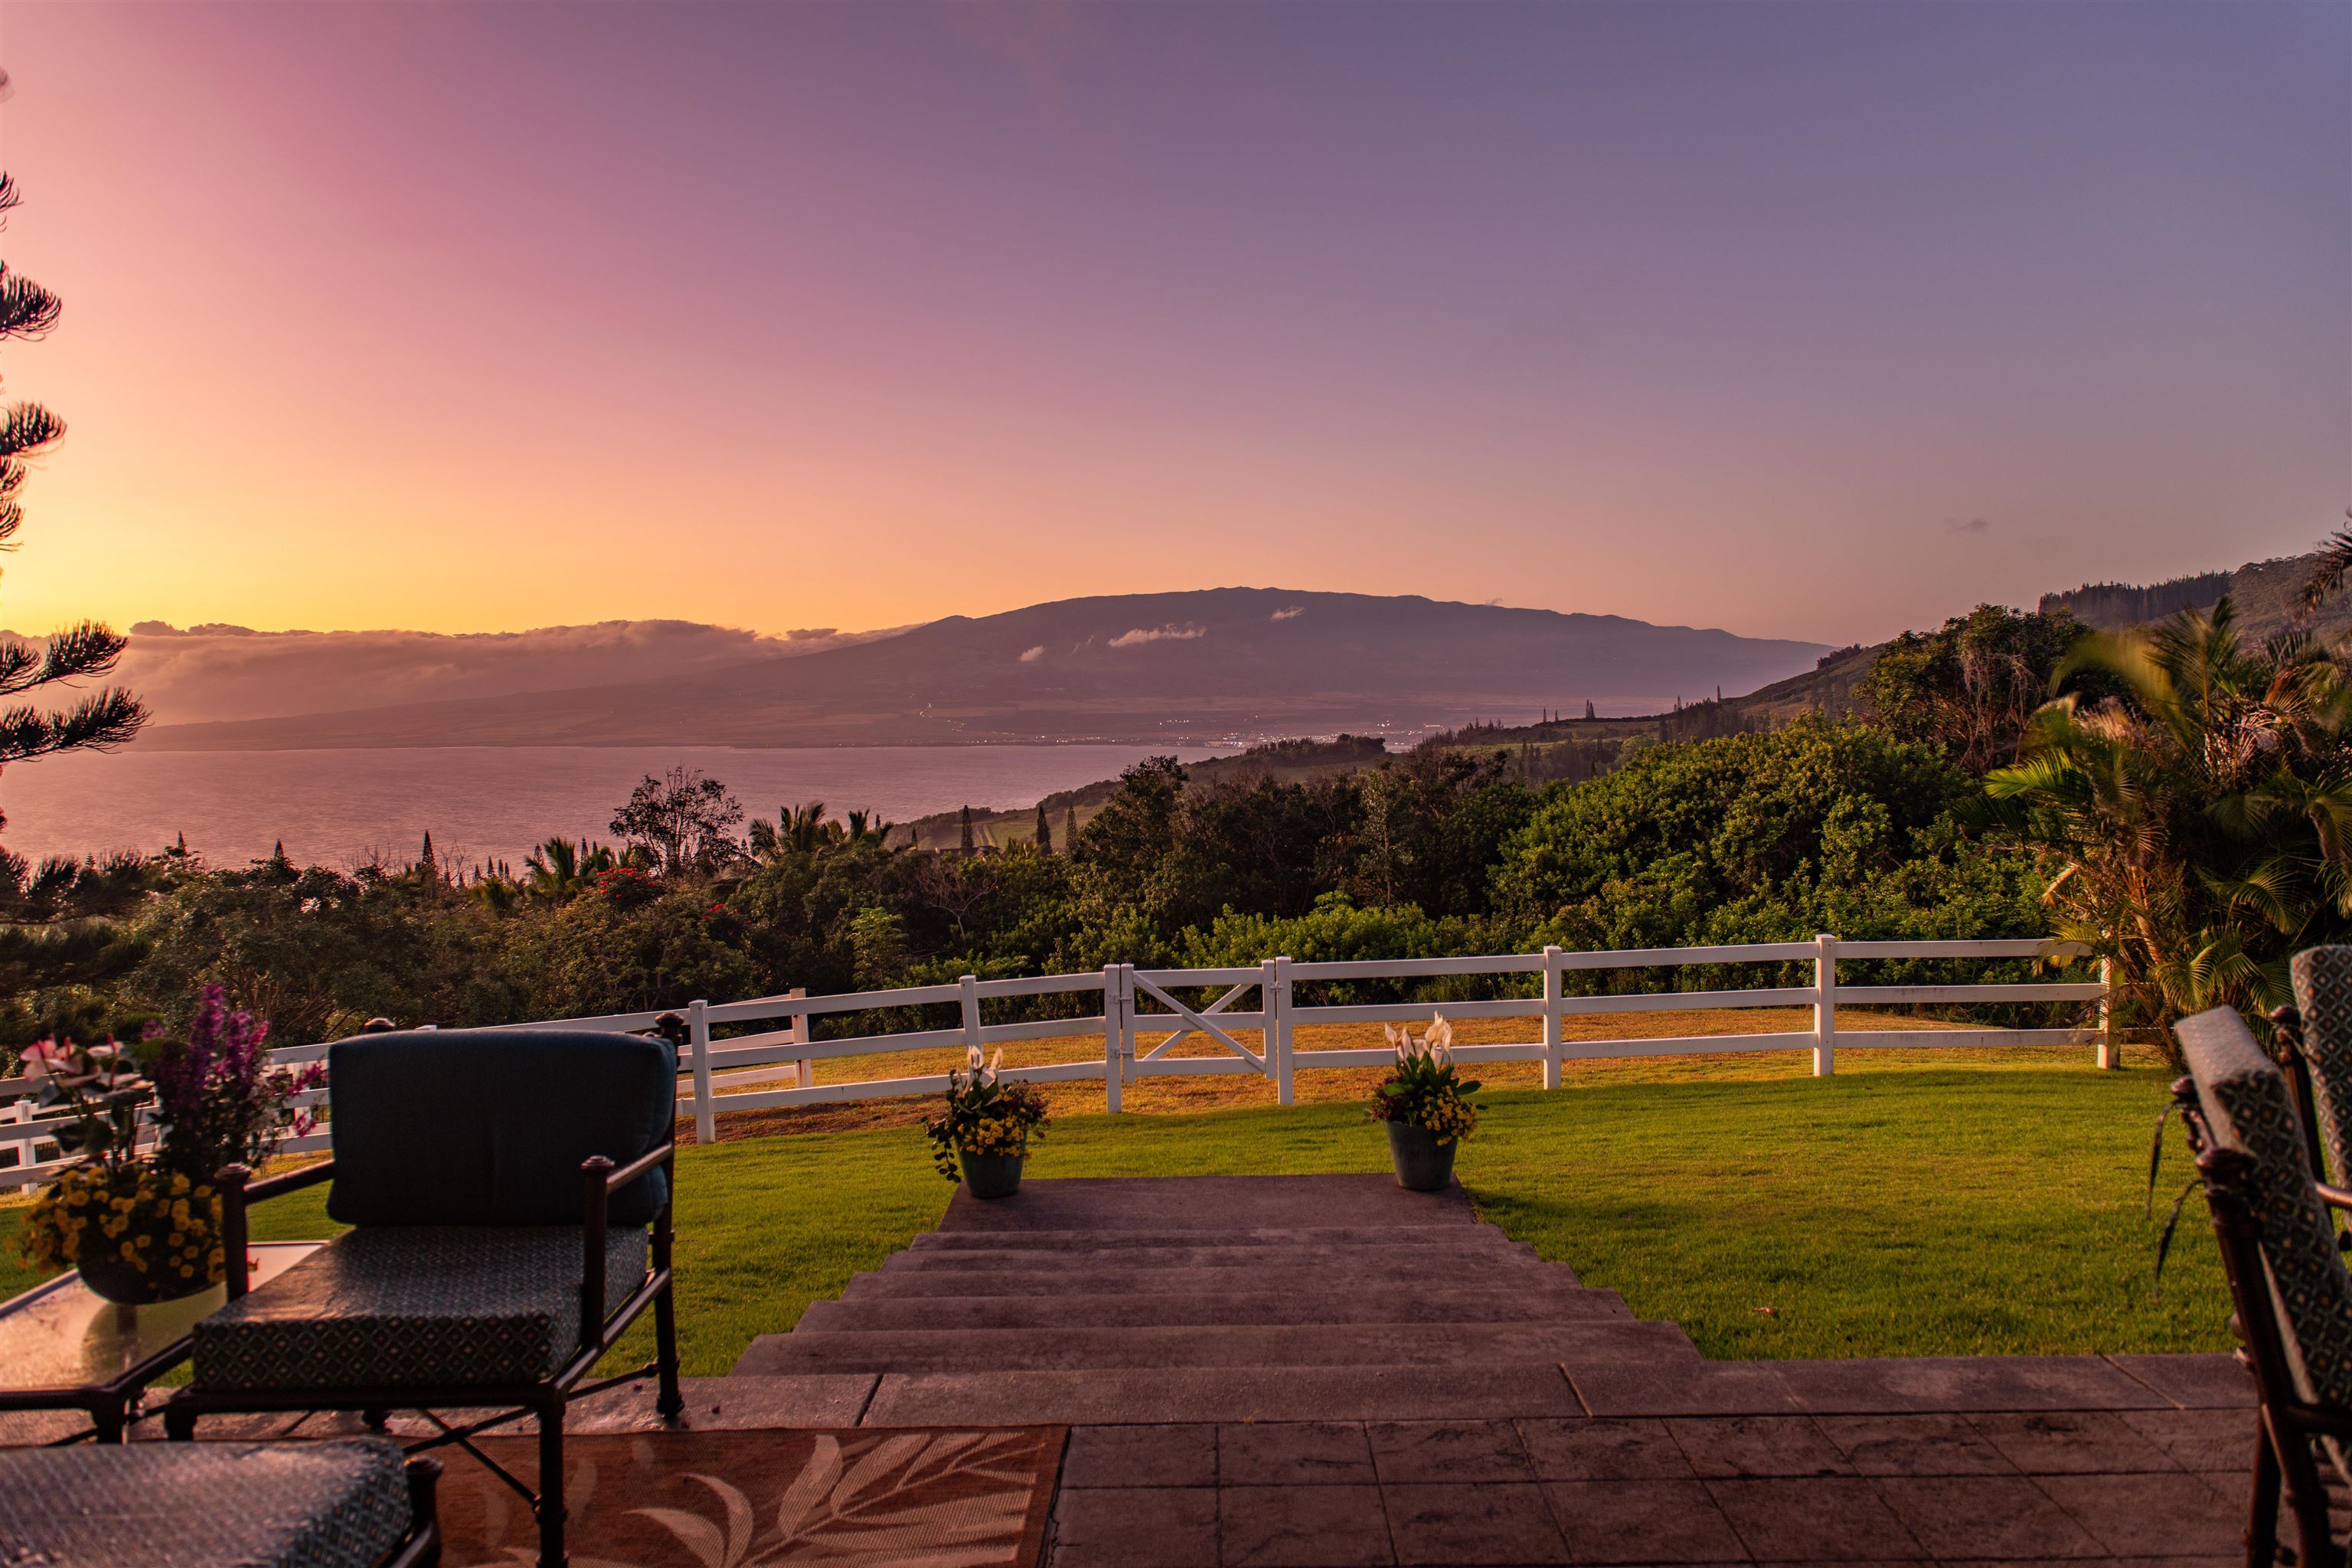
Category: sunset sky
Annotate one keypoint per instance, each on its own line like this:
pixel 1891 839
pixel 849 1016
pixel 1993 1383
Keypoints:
pixel 1813 322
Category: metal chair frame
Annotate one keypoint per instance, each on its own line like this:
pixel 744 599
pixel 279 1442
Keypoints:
pixel 545 1399
pixel 2287 1424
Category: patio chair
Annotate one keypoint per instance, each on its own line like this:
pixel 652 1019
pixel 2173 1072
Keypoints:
pixel 499 1185
pixel 2287 1279
pixel 2315 1038
pixel 341 1504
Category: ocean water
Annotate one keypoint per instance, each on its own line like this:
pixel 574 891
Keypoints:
pixel 335 808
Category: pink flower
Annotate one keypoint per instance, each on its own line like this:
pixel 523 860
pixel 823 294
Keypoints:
pixel 43 1057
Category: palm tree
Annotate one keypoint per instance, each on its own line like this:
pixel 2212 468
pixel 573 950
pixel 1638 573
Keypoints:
pixel 2197 830
pixel 2330 565
pixel 560 870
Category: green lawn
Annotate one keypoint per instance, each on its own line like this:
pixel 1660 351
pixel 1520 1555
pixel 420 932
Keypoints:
pixel 1888 1211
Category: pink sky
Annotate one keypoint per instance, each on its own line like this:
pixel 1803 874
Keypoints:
pixel 1805 322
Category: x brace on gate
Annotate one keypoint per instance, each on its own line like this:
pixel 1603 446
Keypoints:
pixel 1201 1021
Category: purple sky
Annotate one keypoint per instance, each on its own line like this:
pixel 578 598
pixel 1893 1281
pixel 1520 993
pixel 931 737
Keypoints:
pixel 1811 320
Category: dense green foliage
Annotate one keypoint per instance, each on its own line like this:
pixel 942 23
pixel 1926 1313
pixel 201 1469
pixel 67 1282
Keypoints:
pixel 1763 837
pixel 1971 688
pixel 2194 828
pixel 1816 827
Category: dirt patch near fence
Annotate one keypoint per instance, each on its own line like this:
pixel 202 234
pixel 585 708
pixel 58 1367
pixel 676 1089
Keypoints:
pixel 1185 1095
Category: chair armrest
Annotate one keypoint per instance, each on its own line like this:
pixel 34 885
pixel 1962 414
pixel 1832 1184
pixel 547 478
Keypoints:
pixel 239 1192
pixel 637 1167
pixel 596 1186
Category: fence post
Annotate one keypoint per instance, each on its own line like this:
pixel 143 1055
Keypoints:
pixel 2111 1049
pixel 967 988
pixel 1274 997
pixel 1114 1028
pixel 804 1069
pixel 1824 1005
pixel 698 1035
pixel 1552 1043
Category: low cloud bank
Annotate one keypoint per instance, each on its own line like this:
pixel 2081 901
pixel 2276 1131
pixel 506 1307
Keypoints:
pixel 225 672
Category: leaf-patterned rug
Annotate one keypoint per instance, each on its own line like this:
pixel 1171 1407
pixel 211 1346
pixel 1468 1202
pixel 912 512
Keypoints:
pixel 960 1498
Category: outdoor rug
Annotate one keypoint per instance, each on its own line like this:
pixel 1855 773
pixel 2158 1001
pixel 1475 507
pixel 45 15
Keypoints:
pixel 975 1498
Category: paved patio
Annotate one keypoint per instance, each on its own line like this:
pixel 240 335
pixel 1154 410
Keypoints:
pixel 1323 1373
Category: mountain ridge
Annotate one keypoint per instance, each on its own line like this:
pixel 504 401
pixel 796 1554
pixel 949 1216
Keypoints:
pixel 1187 665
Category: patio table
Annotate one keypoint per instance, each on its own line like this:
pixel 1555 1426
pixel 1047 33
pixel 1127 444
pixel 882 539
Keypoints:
pixel 63 1347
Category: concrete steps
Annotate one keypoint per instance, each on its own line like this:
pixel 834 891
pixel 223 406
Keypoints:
pixel 1152 1345
pixel 1296 1298
pixel 1371 1304
pixel 1261 1236
pixel 1453 1256
pixel 1271 1277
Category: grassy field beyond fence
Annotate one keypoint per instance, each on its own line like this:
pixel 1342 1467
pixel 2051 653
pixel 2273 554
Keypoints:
pixel 1911 1205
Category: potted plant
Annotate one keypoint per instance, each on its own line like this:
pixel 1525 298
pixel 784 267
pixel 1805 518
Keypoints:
pixel 1426 1105
pixel 983 1133
pixel 142 1225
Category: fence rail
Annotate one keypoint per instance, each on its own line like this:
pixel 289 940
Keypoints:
pixel 1124 1002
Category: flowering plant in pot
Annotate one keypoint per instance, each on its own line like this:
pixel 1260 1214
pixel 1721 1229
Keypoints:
pixel 1425 1102
pixel 982 1133
pixel 143 1224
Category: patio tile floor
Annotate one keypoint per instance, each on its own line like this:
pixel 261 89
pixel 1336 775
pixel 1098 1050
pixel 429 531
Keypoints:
pixel 1984 1487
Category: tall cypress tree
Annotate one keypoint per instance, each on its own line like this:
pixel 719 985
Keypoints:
pixel 967 830
pixel 1044 831
pixel 55 924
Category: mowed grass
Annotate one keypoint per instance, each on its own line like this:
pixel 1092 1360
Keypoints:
pixel 1917 1203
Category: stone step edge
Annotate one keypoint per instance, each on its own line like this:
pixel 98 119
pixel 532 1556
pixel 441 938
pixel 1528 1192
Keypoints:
pixel 1328 1236
pixel 1499 1391
pixel 1394 1308
pixel 1603 1342
pixel 988 1259
pixel 1031 1283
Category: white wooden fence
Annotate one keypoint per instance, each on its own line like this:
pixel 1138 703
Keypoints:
pixel 1124 1003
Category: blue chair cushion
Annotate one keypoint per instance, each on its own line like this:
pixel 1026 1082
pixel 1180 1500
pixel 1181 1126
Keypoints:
pixel 416 1306
pixel 339 1504
pixel 489 1126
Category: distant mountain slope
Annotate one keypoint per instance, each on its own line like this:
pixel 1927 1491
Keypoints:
pixel 222 672
pixel 1201 665
pixel 2263 593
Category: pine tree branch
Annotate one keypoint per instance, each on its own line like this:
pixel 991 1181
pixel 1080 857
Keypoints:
pixel 75 653
pixel 27 428
pixel 26 310
pixel 98 722
pixel 61 888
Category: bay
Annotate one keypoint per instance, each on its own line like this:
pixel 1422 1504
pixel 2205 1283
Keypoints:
pixel 482 802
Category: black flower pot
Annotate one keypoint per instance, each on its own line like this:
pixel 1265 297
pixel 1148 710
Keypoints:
pixel 991 1175
pixel 1423 1164
pixel 111 1279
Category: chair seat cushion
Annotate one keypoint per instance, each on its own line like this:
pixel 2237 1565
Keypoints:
pixel 416 1306
pixel 341 1504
